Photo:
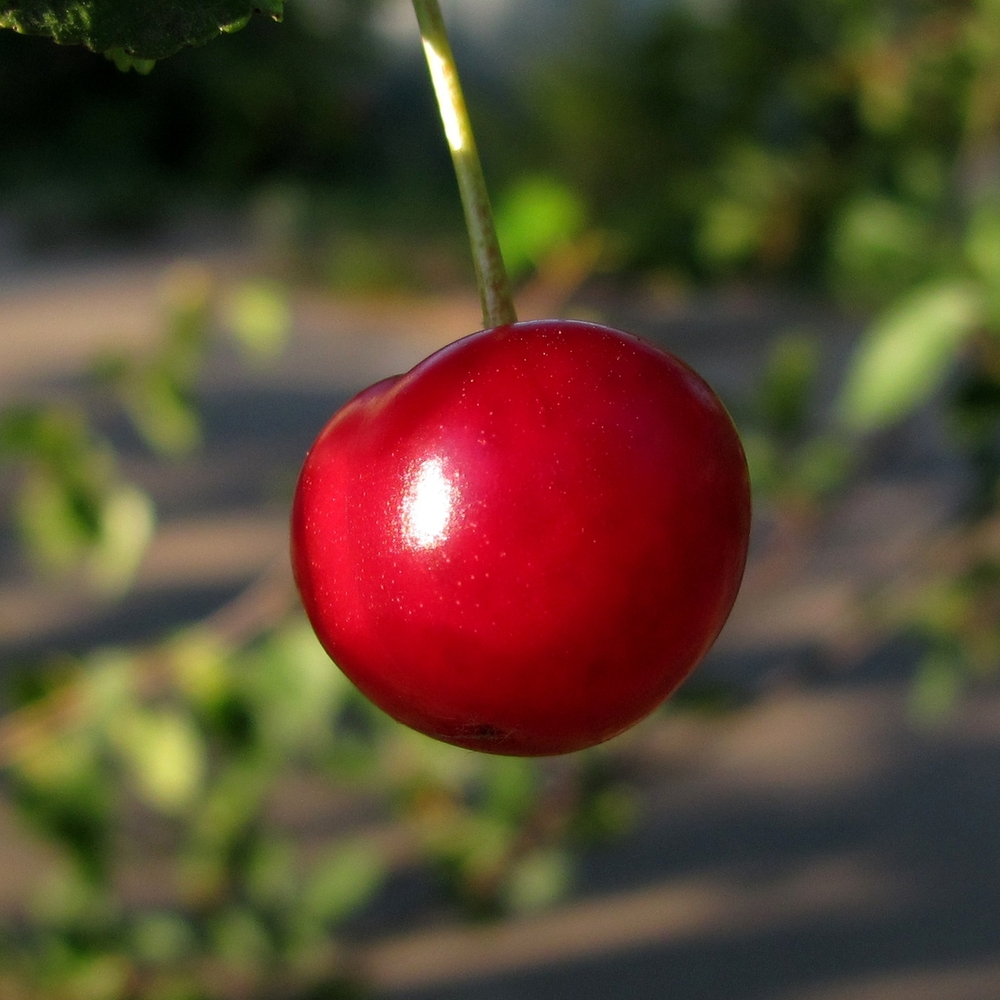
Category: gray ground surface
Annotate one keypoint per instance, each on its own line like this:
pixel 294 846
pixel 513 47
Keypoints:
pixel 814 846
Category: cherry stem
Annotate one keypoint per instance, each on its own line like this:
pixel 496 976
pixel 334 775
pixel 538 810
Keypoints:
pixel 491 275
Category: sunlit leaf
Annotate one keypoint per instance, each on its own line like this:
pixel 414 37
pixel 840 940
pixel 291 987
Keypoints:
pixel 166 756
pixel 73 510
pixel 59 764
pixel 132 31
pixel 343 881
pixel 413 756
pixel 59 520
pixel 162 414
pixel 99 977
pixel 534 217
pixel 60 789
pixel 199 664
pixel 187 290
pixel 258 316
pixel 982 250
pixel 906 355
pixel 762 461
pixel 107 685
pixel 478 844
pixel 19 430
pixel 922 173
pixel 127 523
pixel 365 263
pixel 883 78
pixel 56 437
pixel 295 686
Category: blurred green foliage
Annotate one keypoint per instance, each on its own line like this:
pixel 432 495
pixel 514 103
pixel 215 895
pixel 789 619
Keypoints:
pixel 796 464
pixel 73 506
pixel 907 353
pixel 536 216
pixel 840 146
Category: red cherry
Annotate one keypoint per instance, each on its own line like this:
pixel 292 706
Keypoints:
pixel 527 542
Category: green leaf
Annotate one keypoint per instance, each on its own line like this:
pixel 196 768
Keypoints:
pixel 259 318
pixel 535 216
pixel 128 520
pixel 198 661
pixel 132 32
pixel 162 413
pixel 295 687
pixel 166 755
pixel 344 880
pixel 59 521
pixel 905 355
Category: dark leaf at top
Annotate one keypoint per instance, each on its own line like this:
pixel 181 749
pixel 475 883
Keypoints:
pixel 132 32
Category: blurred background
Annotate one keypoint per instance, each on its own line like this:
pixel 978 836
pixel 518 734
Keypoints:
pixel 197 266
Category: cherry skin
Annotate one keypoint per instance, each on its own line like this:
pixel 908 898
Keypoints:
pixel 526 543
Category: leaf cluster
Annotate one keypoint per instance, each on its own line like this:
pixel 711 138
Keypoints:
pixel 134 33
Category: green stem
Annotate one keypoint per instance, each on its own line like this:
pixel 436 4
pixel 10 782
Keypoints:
pixel 491 275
